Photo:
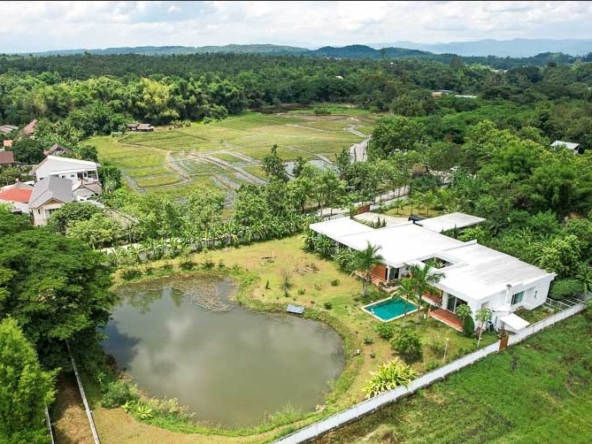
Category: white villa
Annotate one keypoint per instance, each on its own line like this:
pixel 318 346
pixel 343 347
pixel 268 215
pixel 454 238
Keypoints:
pixel 573 147
pixel 473 274
pixel 66 168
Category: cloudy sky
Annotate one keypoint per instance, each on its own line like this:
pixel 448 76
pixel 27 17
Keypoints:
pixel 39 26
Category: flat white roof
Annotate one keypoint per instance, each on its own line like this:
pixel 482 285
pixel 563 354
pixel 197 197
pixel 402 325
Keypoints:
pixel 568 145
pixel 449 222
pixel 374 217
pixel 478 272
pixel 337 228
pixel 515 322
pixel 401 244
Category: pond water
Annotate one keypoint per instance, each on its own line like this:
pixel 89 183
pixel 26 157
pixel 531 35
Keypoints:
pixel 184 338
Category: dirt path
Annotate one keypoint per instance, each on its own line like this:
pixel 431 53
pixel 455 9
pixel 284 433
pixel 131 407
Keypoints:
pixel 68 415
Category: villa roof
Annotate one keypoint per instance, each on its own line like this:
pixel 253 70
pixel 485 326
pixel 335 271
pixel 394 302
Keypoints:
pixel 474 271
pixel 16 195
pixel 478 271
pixel 51 188
pixel 57 147
pixel 449 222
pixel 55 164
pixel 6 158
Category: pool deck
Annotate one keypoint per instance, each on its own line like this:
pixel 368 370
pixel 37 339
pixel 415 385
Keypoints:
pixel 364 308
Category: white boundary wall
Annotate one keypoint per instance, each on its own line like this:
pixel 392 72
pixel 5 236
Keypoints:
pixel 319 428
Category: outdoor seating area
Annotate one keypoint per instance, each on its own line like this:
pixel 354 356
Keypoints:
pixel 447 317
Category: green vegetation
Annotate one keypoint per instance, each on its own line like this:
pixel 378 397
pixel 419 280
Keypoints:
pixel 546 395
pixel 25 389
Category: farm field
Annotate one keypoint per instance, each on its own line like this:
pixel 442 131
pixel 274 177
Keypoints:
pixel 227 154
pixel 538 391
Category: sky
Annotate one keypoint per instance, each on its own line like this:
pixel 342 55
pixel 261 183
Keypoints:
pixel 41 26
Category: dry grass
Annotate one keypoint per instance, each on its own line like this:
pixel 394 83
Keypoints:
pixel 68 416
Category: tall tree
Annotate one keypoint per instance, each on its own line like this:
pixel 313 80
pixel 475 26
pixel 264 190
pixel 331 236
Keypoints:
pixel 273 165
pixel 25 389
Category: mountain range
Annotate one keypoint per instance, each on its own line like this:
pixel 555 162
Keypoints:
pixel 481 48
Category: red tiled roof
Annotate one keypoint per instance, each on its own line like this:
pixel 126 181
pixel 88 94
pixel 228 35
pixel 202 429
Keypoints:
pixel 7 143
pixel 16 195
pixel 30 128
pixel 6 158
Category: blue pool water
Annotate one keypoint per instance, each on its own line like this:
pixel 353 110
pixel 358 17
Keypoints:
pixel 390 309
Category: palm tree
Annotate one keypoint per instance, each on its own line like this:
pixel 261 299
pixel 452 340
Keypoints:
pixel 585 278
pixel 423 279
pixel 366 260
pixel 406 291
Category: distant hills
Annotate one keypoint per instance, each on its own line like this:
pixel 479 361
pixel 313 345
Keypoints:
pixel 499 48
pixel 492 52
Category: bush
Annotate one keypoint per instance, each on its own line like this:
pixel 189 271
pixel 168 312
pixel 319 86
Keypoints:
pixel 167 267
pixel 301 291
pixel 328 305
pixel 321 112
pixel 118 393
pixel 437 346
pixel 334 282
pixel 346 260
pixel 130 273
pixel 432 365
pixel 187 265
pixel 208 263
pixel 221 265
pixel 389 376
pixel 368 340
pixel 267 285
pixel 408 344
pixel 385 330
pixel 468 326
pixel 565 288
pixel 318 287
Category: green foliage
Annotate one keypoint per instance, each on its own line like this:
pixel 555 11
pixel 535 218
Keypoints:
pixel 407 342
pixel 463 311
pixel 561 255
pixel 328 305
pixel 389 376
pixel 334 282
pixel 69 213
pixel 118 393
pixel 468 326
pixel 25 388
pixel 56 287
pixel 366 260
pixel 346 260
pixel 565 288
pixel 274 166
pixel 368 340
pixel 386 330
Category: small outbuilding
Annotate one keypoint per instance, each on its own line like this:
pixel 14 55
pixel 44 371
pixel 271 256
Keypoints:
pixel 295 309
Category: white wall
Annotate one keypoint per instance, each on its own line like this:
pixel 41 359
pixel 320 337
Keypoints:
pixel 41 214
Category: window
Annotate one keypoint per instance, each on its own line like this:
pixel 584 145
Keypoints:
pixel 517 298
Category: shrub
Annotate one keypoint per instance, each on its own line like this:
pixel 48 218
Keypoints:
pixel 373 355
pixel 432 365
pixel 318 287
pixel 322 111
pixel 208 263
pixel 408 344
pixel 346 260
pixel 267 285
pixel 565 288
pixel 301 291
pixel 334 282
pixel 437 346
pixel 328 305
pixel 117 394
pixel 130 273
pixel 389 376
pixel 468 326
pixel 221 265
pixel 148 270
pixel 187 265
pixel 368 340
pixel 167 267
pixel 385 330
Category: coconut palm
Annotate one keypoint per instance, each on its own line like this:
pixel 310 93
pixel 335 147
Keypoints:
pixel 406 291
pixel 366 260
pixel 424 278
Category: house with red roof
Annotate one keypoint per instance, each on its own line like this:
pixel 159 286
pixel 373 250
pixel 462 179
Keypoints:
pixel 17 196
pixel 6 158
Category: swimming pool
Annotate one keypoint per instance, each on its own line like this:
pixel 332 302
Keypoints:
pixel 389 309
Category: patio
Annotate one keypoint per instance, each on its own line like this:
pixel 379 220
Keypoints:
pixel 447 317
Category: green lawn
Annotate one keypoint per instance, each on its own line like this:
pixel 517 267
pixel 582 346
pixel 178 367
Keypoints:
pixel 536 392
pixel 145 158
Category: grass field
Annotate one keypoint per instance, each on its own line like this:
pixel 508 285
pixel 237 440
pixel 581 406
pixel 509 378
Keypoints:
pixel 164 161
pixel 311 286
pixel 536 392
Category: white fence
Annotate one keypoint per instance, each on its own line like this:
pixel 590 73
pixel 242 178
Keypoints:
pixel 371 405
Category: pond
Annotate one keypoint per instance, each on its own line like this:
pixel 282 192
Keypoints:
pixel 184 338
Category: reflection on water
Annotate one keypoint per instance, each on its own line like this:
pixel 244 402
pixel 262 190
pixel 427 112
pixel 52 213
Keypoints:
pixel 229 365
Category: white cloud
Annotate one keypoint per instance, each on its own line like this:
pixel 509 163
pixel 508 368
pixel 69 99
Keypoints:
pixel 34 26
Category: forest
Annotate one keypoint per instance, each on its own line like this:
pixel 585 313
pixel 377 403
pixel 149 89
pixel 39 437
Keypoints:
pixel 537 200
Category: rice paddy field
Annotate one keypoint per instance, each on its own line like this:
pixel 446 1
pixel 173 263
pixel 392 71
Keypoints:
pixel 228 153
